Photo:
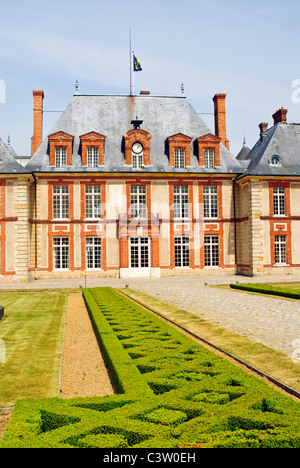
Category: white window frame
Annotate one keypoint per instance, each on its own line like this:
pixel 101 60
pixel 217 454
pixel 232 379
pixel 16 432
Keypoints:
pixel 211 251
pixel 93 201
pixel 138 207
pixel 181 201
pixel 60 201
pixel 179 158
pixel 92 156
pixel 209 158
pixel 61 156
pixel 210 202
pixel 139 252
pixel 182 251
pixel 93 253
pixel 279 201
pixel 61 253
pixel 280 246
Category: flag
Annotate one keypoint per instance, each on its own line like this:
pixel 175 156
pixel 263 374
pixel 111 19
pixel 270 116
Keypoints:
pixel 136 64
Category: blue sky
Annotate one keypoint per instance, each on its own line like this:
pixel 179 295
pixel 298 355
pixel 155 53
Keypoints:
pixel 246 49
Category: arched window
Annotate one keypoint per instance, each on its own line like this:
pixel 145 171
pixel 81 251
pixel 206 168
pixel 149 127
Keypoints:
pixel 275 160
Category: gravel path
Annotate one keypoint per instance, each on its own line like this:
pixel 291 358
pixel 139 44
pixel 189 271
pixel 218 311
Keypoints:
pixel 83 370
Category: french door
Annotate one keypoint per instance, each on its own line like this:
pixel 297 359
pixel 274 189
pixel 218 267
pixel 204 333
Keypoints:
pixel 139 249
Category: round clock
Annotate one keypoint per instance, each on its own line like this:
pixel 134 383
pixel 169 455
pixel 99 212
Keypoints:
pixel 137 148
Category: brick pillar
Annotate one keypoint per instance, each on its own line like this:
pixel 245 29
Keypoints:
pixel 37 138
pixel 220 118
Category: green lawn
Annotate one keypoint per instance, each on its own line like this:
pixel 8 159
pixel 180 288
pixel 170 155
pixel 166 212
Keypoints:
pixel 32 332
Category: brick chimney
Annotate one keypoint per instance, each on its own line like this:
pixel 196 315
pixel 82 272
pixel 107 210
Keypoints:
pixel 220 118
pixel 37 138
pixel 280 115
pixel 263 127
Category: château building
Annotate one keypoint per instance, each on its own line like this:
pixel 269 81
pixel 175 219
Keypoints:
pixel 139 186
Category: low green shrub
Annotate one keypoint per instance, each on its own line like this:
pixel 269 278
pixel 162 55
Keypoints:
pixel 172 393
pixel 268 289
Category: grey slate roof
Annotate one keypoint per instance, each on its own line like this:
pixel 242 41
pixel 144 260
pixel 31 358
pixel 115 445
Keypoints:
pixel 8 164
pixel 283 140
pixel 244 153
pixel 111 115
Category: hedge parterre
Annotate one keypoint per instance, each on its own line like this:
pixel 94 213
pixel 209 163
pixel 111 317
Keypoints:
pixel 173 393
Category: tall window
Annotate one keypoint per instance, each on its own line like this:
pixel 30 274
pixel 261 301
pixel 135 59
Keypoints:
pixel 93 252
pixel 92 157
pixel 60 202
pixel 137 156
pixel 60 157
pixel 93 201
pixel 279 200
pixel 210 202
pixel 61 253
pixel 138 207
pixel 139 252
pixel 182 251
pixel 209 158
pixel 280 250
pixel 181 201
pixel 179 154
pixel 211 251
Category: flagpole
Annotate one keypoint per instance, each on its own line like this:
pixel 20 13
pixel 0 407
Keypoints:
pixel 131 66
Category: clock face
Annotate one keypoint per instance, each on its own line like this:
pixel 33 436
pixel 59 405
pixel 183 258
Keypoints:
pixel 137 148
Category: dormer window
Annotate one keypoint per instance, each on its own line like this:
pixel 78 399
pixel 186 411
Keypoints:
pixel 137 155
pixel 137 148
pixel 209 151
pixel 60 149
pixel 92 149
pixel 275 161
pixel 179 150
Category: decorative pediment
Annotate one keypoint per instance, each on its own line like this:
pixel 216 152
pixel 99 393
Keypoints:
pixel 179 141
pixel 141 136
pixel 57 140
pixel 95 140
pixel 209 142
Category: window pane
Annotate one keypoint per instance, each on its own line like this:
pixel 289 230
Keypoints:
pixel 209 158
pixel 280 250
pixel 279 200
pixel 93 252
pixel 182 251
pixel 211 250
pixel 210 202
pixel 60 201
pixel 179 154
pixel 61 253
pixel 181 201
pixel 93 201
pixel 92 157
pixel 138 207
pixel 60 157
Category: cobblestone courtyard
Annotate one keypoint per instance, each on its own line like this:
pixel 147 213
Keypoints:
pixel 272 321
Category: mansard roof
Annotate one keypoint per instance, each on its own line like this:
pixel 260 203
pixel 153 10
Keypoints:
pixel 8 164
pixel 281 141
pixel 112 116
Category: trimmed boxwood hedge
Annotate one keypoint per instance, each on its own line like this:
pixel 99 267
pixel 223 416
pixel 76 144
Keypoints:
pixel 268 289
pixel 172 393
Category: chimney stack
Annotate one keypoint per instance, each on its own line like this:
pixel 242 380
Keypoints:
pixel 263 127
pixel 280 116
pixel 37 138
pixel 220 118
